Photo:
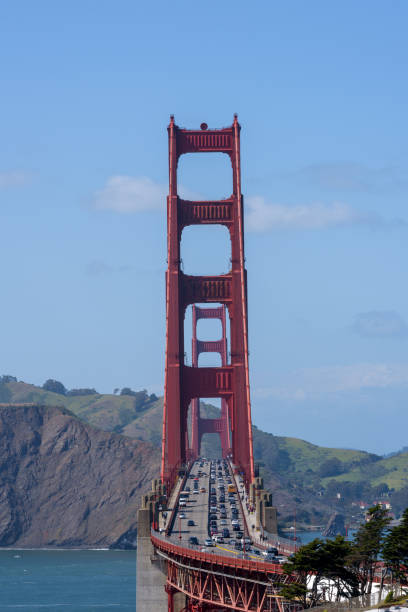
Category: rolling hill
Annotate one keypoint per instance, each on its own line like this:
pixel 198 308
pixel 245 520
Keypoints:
pixel 298 472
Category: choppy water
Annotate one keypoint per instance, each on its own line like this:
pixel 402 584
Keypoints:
pixel 67 580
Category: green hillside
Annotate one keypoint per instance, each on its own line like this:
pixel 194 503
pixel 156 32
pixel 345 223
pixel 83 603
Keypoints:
pixel 392 471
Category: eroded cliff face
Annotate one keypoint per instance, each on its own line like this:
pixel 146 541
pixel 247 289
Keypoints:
pixel 65 483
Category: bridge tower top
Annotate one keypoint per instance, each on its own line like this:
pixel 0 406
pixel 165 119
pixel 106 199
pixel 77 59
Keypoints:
pixel 230 381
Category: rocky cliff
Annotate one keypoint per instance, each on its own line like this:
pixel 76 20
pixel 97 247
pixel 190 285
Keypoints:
pixel 65 483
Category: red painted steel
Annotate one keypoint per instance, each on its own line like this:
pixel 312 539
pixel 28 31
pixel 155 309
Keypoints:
pixel 200 426
pixel 215 582
pixel 232 381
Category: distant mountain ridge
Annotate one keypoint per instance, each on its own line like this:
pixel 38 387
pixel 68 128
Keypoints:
pixel 298 473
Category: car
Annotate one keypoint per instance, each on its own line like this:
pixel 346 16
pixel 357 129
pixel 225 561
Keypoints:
pixel 219 539
pixel 222 499
pixel 208 542
pixel 182 503
pixel 272 550
pixel 196 492
pixel 235 522
pixel 182 515
pixel 247 541
pixel 193 540
pixel 256 551
pixel 213 509
pixel 237 545
pixel 226 533
pixel 187 489
pixel 202 490
pixel 190 523
pixel 239 535
pixel 271 559
pixel 223 521
pixel 236 528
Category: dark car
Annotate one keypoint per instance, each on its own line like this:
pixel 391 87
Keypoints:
pixel 236 528
pixel 193 541
pixel 222 499
pixel 272 551
pixel 190 523
pixel 213 517
pixel 225 533
pixel 238 545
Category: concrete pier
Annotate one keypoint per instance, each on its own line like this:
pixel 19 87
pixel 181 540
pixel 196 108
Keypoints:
pixel 151 569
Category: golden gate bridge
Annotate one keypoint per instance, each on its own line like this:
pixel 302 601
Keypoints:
pixel 187 559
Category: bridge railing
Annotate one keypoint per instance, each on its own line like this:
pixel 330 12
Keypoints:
pixel 215 558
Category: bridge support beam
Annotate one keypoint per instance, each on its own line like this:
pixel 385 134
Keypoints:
pixel 265 513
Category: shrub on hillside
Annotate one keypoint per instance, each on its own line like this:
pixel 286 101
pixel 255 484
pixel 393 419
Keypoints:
pixel 55 386
pixel 331 467
pixel 78 392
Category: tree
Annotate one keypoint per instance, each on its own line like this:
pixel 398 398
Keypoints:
pixel 322 562
pixel 395 549
pixel 367 546
pixel 331 467
pixel 6 378
pixel 55 386
pixel 79 392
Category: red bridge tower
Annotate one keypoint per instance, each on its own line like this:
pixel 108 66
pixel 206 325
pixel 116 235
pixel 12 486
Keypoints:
pixel 201 426
pixel 229 382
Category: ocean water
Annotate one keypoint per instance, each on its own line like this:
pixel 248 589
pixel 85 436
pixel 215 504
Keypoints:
pixel 67 580
pixel 308 536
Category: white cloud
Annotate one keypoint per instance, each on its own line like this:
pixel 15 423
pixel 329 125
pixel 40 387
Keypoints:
pixel 262 216
pixel 313 382
pixel 379 324
pixel 127 194
pixel 134 194
pixel 13 178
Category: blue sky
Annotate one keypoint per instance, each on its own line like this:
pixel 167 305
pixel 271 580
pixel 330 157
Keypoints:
pixel 321 92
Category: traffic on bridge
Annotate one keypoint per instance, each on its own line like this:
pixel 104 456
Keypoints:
pixel 210 514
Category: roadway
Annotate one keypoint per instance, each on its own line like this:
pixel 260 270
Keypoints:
pixel 197 507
